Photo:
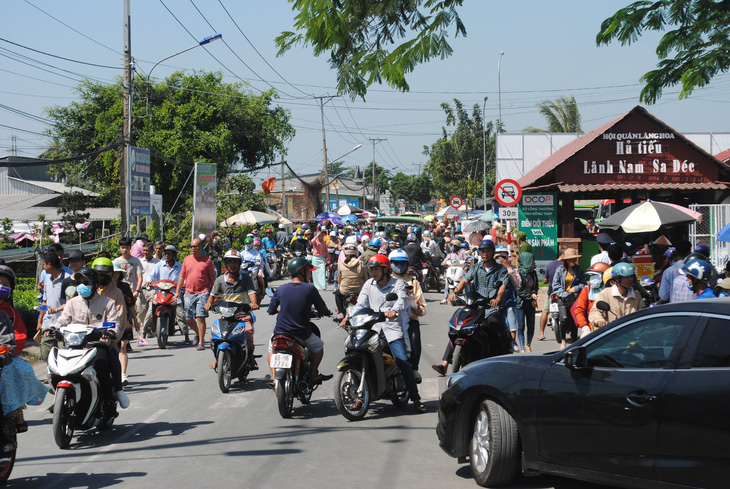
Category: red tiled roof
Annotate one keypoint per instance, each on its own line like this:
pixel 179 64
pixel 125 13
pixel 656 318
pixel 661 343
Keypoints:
pixel 642 186
pixel 724 156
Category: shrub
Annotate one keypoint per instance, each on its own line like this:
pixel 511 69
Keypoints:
pixel 25 298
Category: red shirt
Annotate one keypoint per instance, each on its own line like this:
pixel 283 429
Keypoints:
pixel 18 326
pixel 198 274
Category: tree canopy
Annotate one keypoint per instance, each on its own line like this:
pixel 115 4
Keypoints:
pixel 373 41
pixel 187 118
pixel 413 189
pixel 562 115
pixel 692 53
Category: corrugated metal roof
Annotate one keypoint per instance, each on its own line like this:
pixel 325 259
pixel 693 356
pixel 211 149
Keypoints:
pixel 57 187
pixel 642 186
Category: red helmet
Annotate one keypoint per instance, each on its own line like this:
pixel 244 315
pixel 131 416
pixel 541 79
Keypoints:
pixel 598 267
pixel 378 261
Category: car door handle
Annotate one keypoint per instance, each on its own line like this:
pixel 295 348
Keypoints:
pixel 640 399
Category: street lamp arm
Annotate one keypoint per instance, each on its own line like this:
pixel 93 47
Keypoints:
pixel 351 151
pixel 206 40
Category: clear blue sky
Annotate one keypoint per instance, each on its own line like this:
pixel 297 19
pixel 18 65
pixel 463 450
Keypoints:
pixel 549 51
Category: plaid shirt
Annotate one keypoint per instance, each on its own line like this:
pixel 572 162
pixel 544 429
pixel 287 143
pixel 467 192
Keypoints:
pixel 680 292
pixel 484 280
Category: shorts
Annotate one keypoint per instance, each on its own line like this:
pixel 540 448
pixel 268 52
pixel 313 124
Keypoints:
pixel 546 306
pixel 314 343
pixel 194 305
pixel 128 334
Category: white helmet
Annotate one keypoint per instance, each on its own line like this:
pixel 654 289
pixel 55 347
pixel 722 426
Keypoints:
pixel 352 239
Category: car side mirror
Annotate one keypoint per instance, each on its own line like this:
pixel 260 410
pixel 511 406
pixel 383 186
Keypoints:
pixel 575 358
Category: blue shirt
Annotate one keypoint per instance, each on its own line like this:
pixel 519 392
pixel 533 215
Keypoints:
pixel 665 286
pixel 268 243
pixel 485 280
pixel 161 271
pixel 52 297
pixel 294 302
pixel 707 294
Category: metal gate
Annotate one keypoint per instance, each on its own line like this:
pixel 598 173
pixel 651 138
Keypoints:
pixel 714 218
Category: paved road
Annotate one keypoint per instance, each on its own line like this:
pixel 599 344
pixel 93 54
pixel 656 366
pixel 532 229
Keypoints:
pixel 181 431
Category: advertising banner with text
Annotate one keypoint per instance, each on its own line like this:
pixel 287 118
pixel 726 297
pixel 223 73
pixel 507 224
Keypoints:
pixel 138 183
pixel 538 218
pixel 204 198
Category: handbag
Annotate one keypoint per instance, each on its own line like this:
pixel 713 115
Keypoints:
pixel 534 304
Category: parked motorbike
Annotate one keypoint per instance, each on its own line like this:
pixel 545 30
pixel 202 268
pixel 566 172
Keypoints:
pixel 229 343
pixel 290 360
pixel 472 337
pixel 163 311
pixel 8 440
pixel 454 274
pixel 369 371
pixel 78 402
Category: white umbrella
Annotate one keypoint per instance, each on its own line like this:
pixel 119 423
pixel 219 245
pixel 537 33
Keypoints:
pixel 347 209
pixel 249 218
pixel 474 226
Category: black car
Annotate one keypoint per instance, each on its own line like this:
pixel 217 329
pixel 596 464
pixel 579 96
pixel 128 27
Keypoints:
pixel 642 402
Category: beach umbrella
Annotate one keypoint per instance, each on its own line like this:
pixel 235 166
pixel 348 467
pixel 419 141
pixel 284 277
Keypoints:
pixel 724 234
pixel 330 216
pixel 474 226
pixel 249 218
pixel 347 209
pixel 649 216
pixel 349 218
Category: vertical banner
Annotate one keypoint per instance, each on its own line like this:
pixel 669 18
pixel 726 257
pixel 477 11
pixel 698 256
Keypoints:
pixel 204 199
pixel 138 182
pixel 538 218
pixel 156 216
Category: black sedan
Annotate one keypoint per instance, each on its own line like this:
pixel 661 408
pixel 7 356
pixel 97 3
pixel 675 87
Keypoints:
pixel 642 402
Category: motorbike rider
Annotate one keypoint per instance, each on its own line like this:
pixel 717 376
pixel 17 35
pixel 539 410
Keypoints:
pixel 299 243
pixel 351 275
pixel 293 302
pixel 587 298
pixel 416 306
pixel 416 258
pixel 371 250
pixel 250 255
pixel 430 248
pixel 456 252
pixel 372 296
pixel 282 238
pixel 699 275
pixel 622 298
pixel 234 287
pixel 568 281
pixel 169 269
pixel 90 307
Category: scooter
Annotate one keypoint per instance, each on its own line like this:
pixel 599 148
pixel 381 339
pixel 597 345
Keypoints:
pixel 454 274
pixel 559 317
pixel 369 371
pixel 163 311
pixel 78 403
pixel 229 343
pixel 431 279
pixel 8 439
pixel 331 267
pixel 472 337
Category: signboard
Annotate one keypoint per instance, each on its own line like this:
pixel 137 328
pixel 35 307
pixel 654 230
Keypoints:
pixel 508 192
pixel 538 218
pixel 156 216
pixel 456 202
pixel 138 183
pixel 204 198
pixel 384 202
pixel 508 213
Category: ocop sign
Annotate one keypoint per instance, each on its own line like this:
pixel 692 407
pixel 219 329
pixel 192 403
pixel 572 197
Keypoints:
pixel 538 216
pixel 538 199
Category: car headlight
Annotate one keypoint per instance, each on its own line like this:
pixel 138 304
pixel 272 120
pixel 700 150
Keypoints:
pixel 454 378
pixel 73 338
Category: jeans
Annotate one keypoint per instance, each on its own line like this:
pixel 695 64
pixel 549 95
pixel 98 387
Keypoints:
pixel 398 349
pixel 510 318
pixel 525 320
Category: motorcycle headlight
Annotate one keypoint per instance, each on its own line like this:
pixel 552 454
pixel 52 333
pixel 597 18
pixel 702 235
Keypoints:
pixel 454 378
pixel 373 343
pixel 238 330
pixel 216 330
pixel 72 338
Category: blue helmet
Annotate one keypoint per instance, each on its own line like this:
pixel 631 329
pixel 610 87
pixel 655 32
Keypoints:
pixel 398 255
pixel 465 245
pixel 698 269
pixel 623 269
pixel 375 242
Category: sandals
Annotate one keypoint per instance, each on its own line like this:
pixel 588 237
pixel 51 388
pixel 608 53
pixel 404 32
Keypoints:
pixel 440 369
pixel 355 406
pixel 271 384
pixel 419 407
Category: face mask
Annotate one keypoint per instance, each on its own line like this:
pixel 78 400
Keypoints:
pixel 84 291
pixel 104 280
pixel 399 267
pixel 248 246
pixel 689 286
pixel 5 292
pixel 596 282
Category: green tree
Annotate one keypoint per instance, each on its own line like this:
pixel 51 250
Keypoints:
pixel 457 157
pixel 413 189
pixel 373 41
pixel 562 115
pixel 237 193
pixel 695 49
pixel 382 181
pixel 339 168
pixel 190 118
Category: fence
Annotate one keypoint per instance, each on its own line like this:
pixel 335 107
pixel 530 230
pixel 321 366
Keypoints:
pixel 714 218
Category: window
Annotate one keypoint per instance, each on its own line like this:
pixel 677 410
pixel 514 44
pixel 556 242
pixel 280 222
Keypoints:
pixel 646 343
pixel 714 347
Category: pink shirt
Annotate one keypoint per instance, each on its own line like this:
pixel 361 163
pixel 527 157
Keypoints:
pixel 137 248
pixel 198 274
pixel 319 247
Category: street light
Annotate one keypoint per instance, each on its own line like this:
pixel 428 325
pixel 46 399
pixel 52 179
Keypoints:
pixel 484 151
pixel 206 40
pixel 499 90
pixel 327 183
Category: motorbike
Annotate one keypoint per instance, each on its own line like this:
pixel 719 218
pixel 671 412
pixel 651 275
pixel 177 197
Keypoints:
pixel 252 270
pixel 431 279
pixel 163 311
pixel 274 263
pixel 652 288
pixel 292 370
pixel 472 337
pixel 559 318
pixel 8 439
pixel 369 371
pixel 331 267
pixel 78 403
pixel 229 343
pixel 454 274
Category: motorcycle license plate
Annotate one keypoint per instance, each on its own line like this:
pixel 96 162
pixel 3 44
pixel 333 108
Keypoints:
pixel 554 307
pixel 281 360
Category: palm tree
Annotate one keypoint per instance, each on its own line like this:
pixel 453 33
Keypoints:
pixel 562 115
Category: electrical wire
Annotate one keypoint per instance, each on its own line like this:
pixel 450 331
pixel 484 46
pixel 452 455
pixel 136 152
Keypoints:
pixel 60 57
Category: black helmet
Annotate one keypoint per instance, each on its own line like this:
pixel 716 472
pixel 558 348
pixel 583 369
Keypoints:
pixel 296 264
pixel 8 272
pixel 89 274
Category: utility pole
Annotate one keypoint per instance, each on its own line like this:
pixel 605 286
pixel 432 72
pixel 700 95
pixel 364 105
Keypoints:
pixel 283 192
pixel 374 141
pixel 322 101
pixel 127 125
pixel 484 152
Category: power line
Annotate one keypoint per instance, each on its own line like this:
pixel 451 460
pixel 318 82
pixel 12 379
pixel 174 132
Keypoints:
pixel 60 57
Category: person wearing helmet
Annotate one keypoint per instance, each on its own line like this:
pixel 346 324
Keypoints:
pixel 372 250
pixel 17 325
pixel 292 302
pixel 363 244
pixel 587 297
pixel 169 269
pixel 372 296
pixel 253 260
pixel 416 306
pixel 351 275
pixel 198 275
pixel 622 298
pixel 699 275
pixel 456 252
pixel 53 299
pixel 416 258
pixel 568 281
pixel 232 288
pixel 299 243
pixel 679 291
pixel 431 249
pixel 682 249
pixel 282 238
pixel 90 307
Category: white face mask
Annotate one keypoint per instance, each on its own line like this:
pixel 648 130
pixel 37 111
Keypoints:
pixel 596 282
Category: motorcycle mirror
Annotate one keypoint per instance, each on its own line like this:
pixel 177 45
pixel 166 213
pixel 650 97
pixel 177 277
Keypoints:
pixel 391 297
pixel 270 291
pixel 603 306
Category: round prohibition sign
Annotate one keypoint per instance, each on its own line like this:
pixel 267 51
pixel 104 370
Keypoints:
pixel 508 192
pixel 456 202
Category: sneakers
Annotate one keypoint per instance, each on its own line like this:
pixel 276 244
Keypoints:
pixel 195 341
pixel 444 301
pixel 125 380
pixel 141 341
pixel 439 368
pixel 122 399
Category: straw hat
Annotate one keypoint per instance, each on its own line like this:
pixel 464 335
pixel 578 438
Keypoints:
pixel 569 254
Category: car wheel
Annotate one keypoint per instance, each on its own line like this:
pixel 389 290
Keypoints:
pixel 494 446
